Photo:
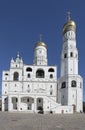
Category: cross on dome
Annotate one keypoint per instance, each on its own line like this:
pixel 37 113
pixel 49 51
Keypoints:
pixel 40 36
pixel 68 16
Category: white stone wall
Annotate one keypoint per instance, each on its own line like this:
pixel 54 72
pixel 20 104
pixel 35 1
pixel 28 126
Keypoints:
pixel 40 55
pixel 24 86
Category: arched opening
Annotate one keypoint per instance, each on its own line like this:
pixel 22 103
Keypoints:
pixel 6 74
pixel 51 70
pixel 28 75
pixel 29 69
pixel 65 55
pixel 71 54
pixel 74 107
pixel 27 102
pixel 63 85
pixel 6 104
pixel 51 76
pixel 16 76
pixel 14 102
pixel 40 73
pixel 40 104
pixel 73 83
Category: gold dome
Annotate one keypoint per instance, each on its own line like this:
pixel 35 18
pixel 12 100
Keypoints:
pixel 70 25
pixel 40 44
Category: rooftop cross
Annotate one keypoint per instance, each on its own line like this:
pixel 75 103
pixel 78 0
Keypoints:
pixel 68 16
pixel 40 37
pixel 17 54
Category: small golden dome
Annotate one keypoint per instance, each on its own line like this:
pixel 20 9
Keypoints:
pixel 70 25
pixel 40 44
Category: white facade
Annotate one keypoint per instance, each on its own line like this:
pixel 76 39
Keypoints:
pixel 70 82
pixel 34 88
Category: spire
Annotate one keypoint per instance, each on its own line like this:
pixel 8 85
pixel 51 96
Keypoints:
pixel 18 55
pixel 68 16
pixel 40 37
pixel 18 58
pixel 21 60
pixel 12 60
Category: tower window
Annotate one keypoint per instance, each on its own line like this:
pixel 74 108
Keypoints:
pixel 39 100
pixel 65 55
pixel 29 69
pixel 16 76
pixel 71 54
pixel 5 78
pixel 51 92
pixel 16 100
pixel 51 76
pixel 28 75
pixel 40 73
pixel 5 84
pixel 27 99
pixel 73 83
pixel 80 85
pixel 63 85
pixel 50 86
pixel 76 55
pixel 6 74
pixel 51 70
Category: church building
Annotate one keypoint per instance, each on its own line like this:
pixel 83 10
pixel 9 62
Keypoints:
pixel 35 88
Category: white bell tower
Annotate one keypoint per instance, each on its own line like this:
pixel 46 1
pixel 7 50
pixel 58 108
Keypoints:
pixel 69 56
pixel 40 53
pixel 70 82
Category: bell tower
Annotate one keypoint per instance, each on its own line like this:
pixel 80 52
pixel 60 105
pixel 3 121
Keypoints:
pixel 40 53
pixel 69 56
pixel 70 82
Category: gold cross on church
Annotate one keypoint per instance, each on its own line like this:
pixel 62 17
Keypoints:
pixel 40 36
pixel 68 16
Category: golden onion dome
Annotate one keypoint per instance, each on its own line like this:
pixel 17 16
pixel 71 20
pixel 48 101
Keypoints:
pixel 40 44
pixel 69 25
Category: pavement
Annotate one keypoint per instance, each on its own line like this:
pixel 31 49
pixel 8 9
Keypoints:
pixel 28 121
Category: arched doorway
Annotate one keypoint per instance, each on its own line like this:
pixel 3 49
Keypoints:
pixel 74 107
pixel 28 101
pixel 6 104
pixel 40 104
pixel 14 102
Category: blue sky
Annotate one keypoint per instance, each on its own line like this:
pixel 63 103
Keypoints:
pixel 21 22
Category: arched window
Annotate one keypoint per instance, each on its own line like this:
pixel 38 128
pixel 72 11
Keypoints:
pixel 51 70
pixel 16 76
pixel 73 83
pixel 27 99
pixel 65 55
pixel 6 73
pixel 29 69
pixel 71 54
pixel 51 92
pixel 63 85
pixel 80 85
pixel 51 76
pixel 28 75
pixel 40 73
